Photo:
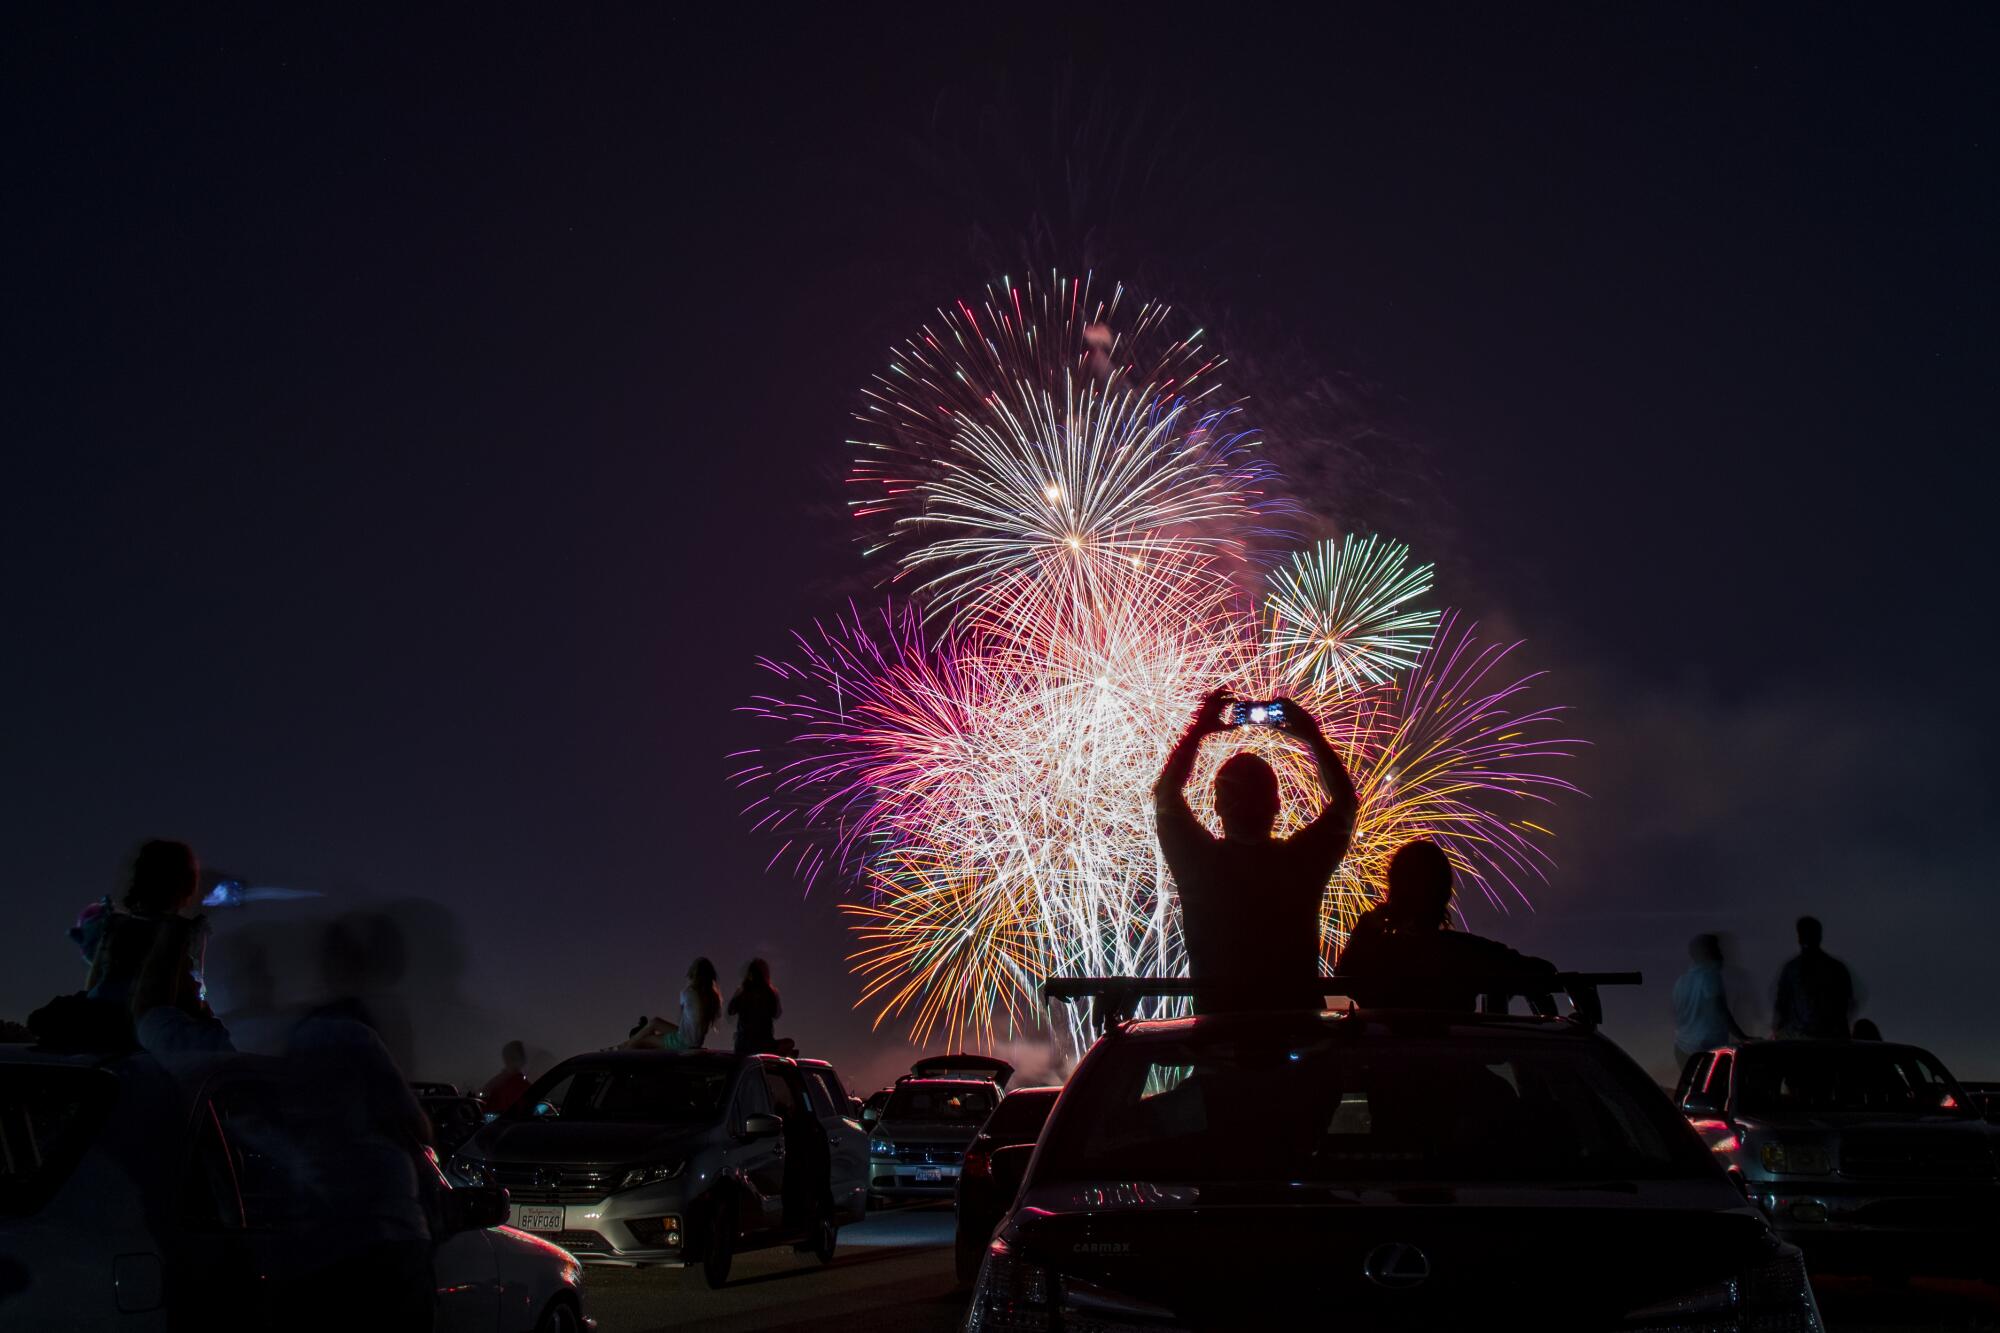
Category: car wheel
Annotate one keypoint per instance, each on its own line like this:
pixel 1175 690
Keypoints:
pixel 560 1317
pixel 721 1242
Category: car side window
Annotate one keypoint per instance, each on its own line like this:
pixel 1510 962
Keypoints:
pixel 787 1091
pixel 834 1087
pixel 825 1101
pixel 1716 1082
pixel 1691 1075
pixel 751 1098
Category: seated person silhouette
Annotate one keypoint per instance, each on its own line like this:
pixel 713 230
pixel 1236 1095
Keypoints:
pixel 1250 901
pixel 1401 955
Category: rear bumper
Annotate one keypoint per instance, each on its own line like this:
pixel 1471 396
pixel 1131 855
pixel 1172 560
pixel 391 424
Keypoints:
pixel 905 1180
pixel 1929 1233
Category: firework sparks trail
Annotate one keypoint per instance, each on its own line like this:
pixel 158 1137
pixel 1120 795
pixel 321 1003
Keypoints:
pixel 978 758
pixel 1028 428
pixel 1341 613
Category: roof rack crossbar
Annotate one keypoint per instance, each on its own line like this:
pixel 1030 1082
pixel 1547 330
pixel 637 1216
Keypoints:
pixel 1115 999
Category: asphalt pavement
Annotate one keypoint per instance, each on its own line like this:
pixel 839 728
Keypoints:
pixel 893 1271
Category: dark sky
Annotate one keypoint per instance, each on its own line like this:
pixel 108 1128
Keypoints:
pixel 415 428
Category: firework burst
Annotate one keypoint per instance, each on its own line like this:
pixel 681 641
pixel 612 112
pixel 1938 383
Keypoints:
pixel 1051 423
pixel 1066 489
pixel 1344 615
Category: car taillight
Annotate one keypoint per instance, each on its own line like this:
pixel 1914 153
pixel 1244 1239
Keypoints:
pixel 1011 1296
pixel 1774 1295
pixel 976 1166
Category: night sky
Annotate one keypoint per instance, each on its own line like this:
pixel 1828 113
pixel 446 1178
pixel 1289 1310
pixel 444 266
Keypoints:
pixel 414 430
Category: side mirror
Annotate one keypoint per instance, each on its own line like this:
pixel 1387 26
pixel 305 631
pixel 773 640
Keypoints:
pixel 1703 1102
pixel 762 1126
pixel 869 1115
pixel 1009 1165
pixel 475 1207
pixel 546 1109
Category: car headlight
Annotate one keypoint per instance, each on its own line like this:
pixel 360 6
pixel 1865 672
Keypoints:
pixel 1795 1159
pixel 465 1170
pixel 1774 1295
pixel 646 1175
pixel 1011 1294
pixel 881 1148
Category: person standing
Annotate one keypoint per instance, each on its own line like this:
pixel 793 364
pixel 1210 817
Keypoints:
pixel 756 1009
pixel 505 1088
pixel 1815 991
pixel 1250 901
pixel 1702 1020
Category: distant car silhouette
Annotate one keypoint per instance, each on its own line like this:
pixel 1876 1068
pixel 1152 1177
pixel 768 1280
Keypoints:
pixel 1867 1155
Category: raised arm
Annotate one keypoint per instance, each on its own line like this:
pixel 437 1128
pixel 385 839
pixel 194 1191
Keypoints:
pixel 1341 801
pixel 1174 774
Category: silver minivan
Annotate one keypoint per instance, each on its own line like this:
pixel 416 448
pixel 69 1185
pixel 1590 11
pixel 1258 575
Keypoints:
pixel 677 1157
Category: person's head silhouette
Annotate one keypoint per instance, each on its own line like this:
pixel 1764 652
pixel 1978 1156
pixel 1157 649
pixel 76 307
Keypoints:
pixel 1809 932
pixel 757 974
pixel 165 877
pixel 702 974
pixel 1419 886
pixel 1705 949
pixel 514 1055
pixel 1246 797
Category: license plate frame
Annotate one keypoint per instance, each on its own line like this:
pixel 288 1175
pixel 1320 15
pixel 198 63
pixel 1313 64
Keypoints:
pixel 537 1217
pixel 930 1175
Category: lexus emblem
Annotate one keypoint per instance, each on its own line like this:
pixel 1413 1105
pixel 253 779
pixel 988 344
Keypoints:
pixel 1396 1266
pixel 547 1178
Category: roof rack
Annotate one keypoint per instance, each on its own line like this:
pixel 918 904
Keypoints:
pixel 1115 999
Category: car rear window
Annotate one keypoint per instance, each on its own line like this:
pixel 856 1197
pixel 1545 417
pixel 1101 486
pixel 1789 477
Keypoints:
pixel 1020 1116
pixel 1777 1077
pixel 666 1091
pixel 952 1103
pixel 48 1117
pixel 1336 1110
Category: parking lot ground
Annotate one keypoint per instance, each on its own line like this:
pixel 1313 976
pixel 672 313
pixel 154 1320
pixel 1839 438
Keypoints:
pixel 1862 1305
pixel 892 1271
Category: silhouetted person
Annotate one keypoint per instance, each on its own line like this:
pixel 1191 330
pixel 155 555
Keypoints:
pixel 756 1009
pixel 1250 901
pixel 165 882
pixel 701 1008
pixel 505 1088
pixel 1815 991
pixel 1702 1020
pixel 361 1257
pixel 1865 1030
pixel 1400 954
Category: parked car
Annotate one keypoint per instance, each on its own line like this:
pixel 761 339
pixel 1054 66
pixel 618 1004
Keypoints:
pixel 871 1109
pixel 961 1064
pixel 454 1119
pixel 1869 1156
pixel 1392 1168
pixel 915 1149
pixel 677 1157
pixel 1985 1096
pixel 99 1150
pixel 1017 1120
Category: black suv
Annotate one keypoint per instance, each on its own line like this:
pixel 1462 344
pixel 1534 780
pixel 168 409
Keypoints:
pixel 1403 1169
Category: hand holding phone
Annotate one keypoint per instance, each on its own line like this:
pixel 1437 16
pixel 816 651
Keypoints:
pixel 1267 713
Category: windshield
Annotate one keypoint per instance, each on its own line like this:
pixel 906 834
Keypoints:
pixel 670 1092
pixel 48 1117
pixel 950 1103
pixel 1334 1110
pixel 1778 1077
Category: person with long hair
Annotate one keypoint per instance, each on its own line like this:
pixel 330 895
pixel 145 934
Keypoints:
pixel 164 884
pixel 701 1007
pixel 756 1009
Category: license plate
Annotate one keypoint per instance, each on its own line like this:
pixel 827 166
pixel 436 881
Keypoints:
pixel 530 1218
pixel 929 1175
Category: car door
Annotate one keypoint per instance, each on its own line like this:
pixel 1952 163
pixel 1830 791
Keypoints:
pixel 758 1163
pixel 468 1276
pixel 846 1140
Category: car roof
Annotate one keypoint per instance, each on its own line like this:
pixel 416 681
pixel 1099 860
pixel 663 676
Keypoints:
pixel 727 1059
pixel 985 1084
pixel 1305 1025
